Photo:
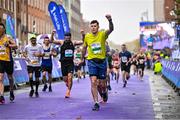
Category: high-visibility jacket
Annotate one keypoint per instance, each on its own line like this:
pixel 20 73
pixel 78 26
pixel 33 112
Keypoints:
pixel 157 67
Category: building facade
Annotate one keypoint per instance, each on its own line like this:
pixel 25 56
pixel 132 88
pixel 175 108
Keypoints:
pixel 162 10
pixel 73 9
pixel 39 21
pixel 32 17
pixel 6 8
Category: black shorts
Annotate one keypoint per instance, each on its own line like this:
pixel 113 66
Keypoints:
pixel 141 66
pixel 37 70
pixel 76 68
pixel 67 68
pixel 83 63
pixel 125 68
pixel 7 66
pixel 47 69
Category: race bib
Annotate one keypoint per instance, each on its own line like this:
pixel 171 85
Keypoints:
pixel 96 48
pixel 34 62
pixel 141 61
pixel 47 55
pixel 124 59
pixel 68 53
pixel 78 55
pixel 2 50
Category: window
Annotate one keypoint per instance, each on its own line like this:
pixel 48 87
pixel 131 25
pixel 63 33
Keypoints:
pixel 12 5
pixel 6 4
pixel 1 3
pixel 25 19
pixel 18 7
pixel 29 19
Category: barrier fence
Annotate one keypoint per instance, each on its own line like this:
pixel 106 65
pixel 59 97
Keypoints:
pixel 21 75
pixel 171 70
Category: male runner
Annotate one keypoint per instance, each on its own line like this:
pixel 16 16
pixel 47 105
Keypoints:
pixel 33 53
pixel 67 57
pixel 116 65
pixel 46 64
pixel 77 62
pixel 6 65
pixel 125 58
pixel 94 42
pixel 141 58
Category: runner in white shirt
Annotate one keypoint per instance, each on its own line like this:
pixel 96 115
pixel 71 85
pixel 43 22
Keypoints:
pixel 33 53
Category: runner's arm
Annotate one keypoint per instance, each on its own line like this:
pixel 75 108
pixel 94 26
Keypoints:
pixel 83 52
pixel 58 42
pixel 77 42
pixel 12 44
pixel 25 54
pixel 111 26
pixel 80 42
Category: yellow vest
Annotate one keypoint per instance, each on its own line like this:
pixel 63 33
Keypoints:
pixel 166 57
pixel 4 51
pixel 158 67
pixel 162 55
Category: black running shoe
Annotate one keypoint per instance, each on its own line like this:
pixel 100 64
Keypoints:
pixel 2 100
pixel 50 88
pixel 12 97
pixel 109 87
pixel 36 94
pixel 45 87
pixel 31 93
pixel 96 107
pixel 105 96
pixel 125 83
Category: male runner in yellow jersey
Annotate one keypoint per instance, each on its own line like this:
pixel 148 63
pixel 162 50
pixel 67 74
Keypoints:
pixel 94 42
pixel 5 61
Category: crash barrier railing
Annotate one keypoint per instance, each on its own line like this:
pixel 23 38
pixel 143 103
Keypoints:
pixel 21 75
pixel 171 71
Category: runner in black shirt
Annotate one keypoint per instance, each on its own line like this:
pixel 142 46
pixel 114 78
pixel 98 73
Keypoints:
pixel 125 57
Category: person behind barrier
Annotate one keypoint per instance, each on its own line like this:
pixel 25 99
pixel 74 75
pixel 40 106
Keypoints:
pixel 157 67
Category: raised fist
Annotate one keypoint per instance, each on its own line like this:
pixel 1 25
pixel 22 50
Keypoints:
pixel 108 16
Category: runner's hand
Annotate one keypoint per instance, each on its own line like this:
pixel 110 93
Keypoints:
pixel 36 54
pixel 6 44
pixel 53 32
pixel 108 16
pixel 82 32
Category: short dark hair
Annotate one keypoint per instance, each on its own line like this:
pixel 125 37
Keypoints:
pixel 1 24
pixel 67 34
pixel 94 21
pixel 124 45
pixel 46 37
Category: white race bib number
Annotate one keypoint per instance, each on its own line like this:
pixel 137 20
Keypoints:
pixel 2 50
pixel 124 59
pixel 141 61
pixel 96 48
pixel 47 55
pixel 68 53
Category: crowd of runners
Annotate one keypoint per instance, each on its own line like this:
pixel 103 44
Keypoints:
pixel 104 64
